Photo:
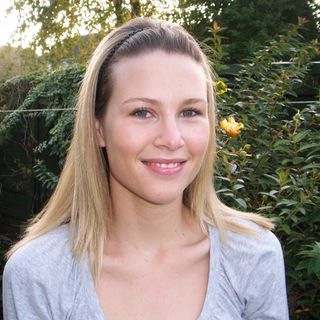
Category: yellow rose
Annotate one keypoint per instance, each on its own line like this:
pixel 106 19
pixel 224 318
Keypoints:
pixel 220 87
pixel 231 127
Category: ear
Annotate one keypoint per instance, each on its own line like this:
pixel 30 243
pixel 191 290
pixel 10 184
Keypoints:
pixel 100 134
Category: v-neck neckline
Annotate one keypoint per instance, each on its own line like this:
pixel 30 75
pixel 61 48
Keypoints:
pixel 211 285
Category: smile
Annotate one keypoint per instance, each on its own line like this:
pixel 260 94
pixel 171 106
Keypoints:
pixel 165 167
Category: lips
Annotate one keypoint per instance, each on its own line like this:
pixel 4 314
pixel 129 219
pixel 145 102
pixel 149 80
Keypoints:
pixel 165 166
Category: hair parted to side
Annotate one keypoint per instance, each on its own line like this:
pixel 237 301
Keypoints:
pixel 82 196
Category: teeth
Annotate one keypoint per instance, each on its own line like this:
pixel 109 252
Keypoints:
pixel 166 165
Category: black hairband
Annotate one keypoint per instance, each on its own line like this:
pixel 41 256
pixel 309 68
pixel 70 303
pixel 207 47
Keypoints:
pixel 120 43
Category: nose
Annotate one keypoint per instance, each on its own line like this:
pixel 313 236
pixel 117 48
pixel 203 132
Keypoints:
pixel 169 135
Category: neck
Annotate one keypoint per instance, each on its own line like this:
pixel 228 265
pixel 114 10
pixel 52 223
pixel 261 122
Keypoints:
pixel 148 228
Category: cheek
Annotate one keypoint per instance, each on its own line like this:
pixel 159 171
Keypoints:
pixel 125 140
pixel 199 140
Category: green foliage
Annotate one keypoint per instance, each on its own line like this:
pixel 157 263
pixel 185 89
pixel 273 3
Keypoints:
pixel 47 178
pixel 311 263
pixel 61 25
pixel 273 166
pixel 45 136
pixel 15 61
pixel 248 24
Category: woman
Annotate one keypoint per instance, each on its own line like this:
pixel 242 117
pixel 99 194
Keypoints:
pixel 134 229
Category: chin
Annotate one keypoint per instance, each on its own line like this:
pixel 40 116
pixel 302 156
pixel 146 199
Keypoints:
pixel 163 199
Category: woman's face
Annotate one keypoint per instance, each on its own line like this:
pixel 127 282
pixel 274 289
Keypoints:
pixel 156 127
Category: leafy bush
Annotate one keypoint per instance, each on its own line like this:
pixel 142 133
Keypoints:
pixel 272 167
pixel 47 127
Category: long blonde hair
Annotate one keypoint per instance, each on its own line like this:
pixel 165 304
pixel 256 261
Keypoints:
pixel 82 196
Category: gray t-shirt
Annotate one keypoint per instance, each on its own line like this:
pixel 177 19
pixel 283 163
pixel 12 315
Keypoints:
pixel 43 281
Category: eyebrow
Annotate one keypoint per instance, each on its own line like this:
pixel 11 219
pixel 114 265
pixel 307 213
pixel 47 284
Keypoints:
pixel 154 101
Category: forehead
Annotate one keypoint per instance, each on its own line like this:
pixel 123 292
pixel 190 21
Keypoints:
pixel 158 73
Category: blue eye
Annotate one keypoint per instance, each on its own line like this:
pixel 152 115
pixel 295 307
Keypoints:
pixel 141 113
pixel 191 112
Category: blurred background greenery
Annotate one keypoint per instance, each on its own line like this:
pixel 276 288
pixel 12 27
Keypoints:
pixel 266 57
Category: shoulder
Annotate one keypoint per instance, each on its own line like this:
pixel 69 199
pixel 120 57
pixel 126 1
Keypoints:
pixel 250 272
pixel 250 260
pixel 44 274
pixel 252 251
pixel 45 254
pixel 244 256
pixel 260 242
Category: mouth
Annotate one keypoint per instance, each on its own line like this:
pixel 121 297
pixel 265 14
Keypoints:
pixel 165 166
pixel 162 165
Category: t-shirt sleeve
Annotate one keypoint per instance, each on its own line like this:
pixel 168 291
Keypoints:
pixel 41 280
pixel 23 296
pixel 265 289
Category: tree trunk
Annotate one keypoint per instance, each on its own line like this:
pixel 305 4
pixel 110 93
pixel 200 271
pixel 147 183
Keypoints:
pixel 135 8
pixel 118 11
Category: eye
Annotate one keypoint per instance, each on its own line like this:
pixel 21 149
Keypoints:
pixel 141 113
pixel 190 112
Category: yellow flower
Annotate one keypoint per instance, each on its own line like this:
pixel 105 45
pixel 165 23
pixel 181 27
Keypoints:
pixel 215 25
pixel 231 127
pixel 222 87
